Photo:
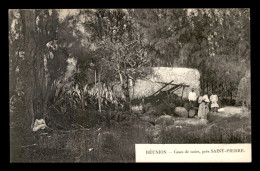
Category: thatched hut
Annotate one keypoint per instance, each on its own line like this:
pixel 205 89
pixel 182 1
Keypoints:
pixel 154 81
pixel 149 85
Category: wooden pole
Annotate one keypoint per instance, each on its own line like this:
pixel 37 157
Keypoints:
pixel 182 92
pixel 162 87
pixel 99 93
pixel 95 78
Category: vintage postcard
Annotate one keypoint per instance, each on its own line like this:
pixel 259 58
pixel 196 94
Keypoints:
pixel 130 85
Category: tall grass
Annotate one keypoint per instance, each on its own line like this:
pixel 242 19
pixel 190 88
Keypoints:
pixel 199 135
pixel 116 143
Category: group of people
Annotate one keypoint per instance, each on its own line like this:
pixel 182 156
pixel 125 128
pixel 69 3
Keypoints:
pixel 203 102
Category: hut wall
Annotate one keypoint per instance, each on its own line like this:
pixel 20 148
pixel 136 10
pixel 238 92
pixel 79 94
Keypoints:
pixel 147 86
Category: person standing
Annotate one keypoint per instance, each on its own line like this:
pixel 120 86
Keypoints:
pixel 199 100
pixel 203 107
pixel 214 102
pixel 192 98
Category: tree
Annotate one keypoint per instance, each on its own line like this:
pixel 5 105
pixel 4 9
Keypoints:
pixel 120 43
pixel 29 30
pixel 44 48
pixel 115 46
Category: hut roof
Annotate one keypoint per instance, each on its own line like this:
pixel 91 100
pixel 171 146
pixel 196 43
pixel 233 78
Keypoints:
pixel 148 86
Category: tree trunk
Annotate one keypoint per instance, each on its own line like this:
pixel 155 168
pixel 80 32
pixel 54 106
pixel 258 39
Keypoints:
pixel 82 101
pixel 28 21
pixel 99 93
pixel 212 86
pixel 126 92
pixel 231 98
pixel 46 93
pixel 217 86
pixel 45 105
pixel 129 105
pixel 39 86
pixel 95 78
pixel 29 102
pixel 96 82
pixel 207 87
pixel 202 85
pixel 121 77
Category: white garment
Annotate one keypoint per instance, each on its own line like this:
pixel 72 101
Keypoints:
pixel 39 124
pixel 200 99
pixel 192 96
pixel 214 100
pixel 206 98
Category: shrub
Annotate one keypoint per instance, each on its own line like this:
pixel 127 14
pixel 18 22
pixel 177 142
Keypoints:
pixel 244 90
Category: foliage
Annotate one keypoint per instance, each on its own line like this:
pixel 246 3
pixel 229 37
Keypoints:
pixel 215 41
pixel 116 144
pixel 114 45
pixel 55 61
pixel 244 90
pixel 119 43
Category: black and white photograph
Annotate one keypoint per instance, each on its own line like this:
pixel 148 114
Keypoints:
pixel 99 85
